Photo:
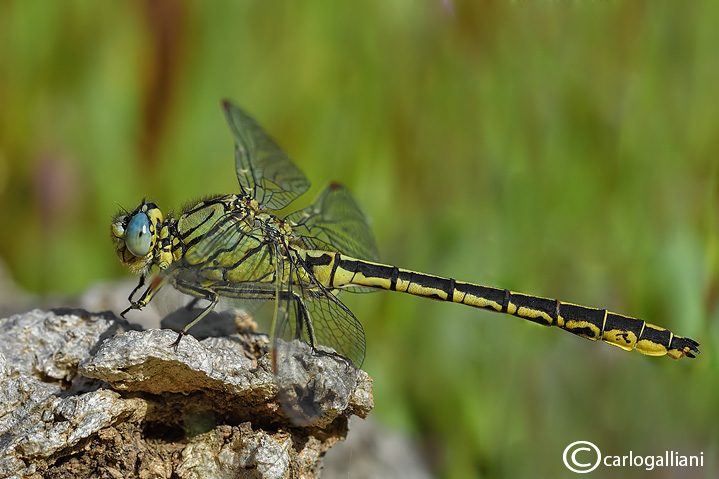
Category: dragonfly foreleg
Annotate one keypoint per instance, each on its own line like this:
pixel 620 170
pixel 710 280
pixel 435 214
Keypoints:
pixel 147 296
pixel 140 284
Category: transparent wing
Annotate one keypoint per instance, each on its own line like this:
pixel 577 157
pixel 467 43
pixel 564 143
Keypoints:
pixel 318 317
pixel 335 222
pixel 309 319
pixel 263 169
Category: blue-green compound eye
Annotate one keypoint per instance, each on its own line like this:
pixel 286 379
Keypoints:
pixel 137 236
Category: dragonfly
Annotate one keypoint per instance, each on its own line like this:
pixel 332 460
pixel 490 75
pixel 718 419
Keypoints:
pixel 236 246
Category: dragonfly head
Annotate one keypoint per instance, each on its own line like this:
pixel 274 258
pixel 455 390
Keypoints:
pixel 135 236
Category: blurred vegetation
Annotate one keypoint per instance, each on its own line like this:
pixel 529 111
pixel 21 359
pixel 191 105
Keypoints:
pixel 566 149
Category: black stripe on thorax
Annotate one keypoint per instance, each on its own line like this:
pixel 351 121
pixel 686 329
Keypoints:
pixel 192 230
pixel 229 211
pixel 214 222
pixel 248 254
pixel 226 248
pixel 197 209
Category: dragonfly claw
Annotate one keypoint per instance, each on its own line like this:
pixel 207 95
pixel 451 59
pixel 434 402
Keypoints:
pixel 175 344
pixel 133 305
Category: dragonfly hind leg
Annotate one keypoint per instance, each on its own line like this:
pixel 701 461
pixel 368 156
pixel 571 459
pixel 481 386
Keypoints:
pixel 303 322
pixel 289 301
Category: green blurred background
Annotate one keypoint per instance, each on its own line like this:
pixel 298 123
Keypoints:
pixel 565 149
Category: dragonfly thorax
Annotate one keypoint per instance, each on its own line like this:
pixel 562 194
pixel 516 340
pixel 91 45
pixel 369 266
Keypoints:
pixel 275 228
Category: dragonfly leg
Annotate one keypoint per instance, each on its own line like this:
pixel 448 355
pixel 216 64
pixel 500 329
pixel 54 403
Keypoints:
pixel 214 299
pixel 147 296
pixel 140 284
pixel 303 321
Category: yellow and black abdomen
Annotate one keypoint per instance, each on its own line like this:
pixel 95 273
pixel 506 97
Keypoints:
pixel 336 270
pixel 619 330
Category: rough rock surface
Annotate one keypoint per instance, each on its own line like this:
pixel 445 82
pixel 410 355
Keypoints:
pixel 90 395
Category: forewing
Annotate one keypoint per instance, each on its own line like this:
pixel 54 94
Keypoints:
pixel 263 169
pixel 335 222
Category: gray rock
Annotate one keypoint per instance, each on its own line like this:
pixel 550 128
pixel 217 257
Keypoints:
pixel 90 395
